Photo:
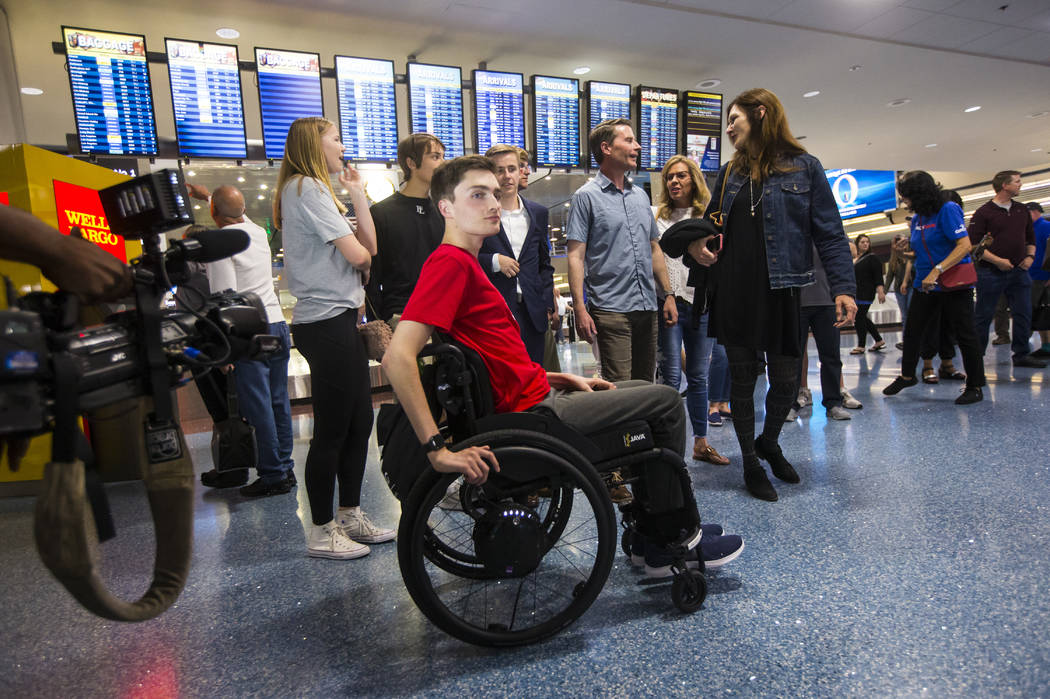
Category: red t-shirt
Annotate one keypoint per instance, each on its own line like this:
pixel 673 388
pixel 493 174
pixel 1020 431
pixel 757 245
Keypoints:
pixel 454 295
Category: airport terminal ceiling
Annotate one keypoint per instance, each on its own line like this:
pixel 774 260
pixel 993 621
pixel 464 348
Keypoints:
pixel 861 56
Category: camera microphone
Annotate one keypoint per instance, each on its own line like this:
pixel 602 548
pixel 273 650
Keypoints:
pixel 213 245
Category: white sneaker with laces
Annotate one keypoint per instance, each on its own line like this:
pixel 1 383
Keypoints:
pixel 358 527
pixel 329 541
pixel 848 401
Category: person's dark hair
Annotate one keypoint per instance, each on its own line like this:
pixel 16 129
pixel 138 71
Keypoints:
pixel 1034 206
pixel 769 142
pixel 865 237
pixel 451 172
pixel 953 196
pixel 604 132
pixel 1002 178
pixel 919 187
pixel 416 147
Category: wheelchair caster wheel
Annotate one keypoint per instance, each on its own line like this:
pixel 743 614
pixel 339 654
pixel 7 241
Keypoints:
pixel 689 590
pixel 625 542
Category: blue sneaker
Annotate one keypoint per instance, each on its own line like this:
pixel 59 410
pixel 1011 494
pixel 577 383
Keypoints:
pixel 638 542
pixel 719 550
pixel 714 419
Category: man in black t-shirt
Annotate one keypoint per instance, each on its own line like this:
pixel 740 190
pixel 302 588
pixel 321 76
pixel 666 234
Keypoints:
pixel 408 228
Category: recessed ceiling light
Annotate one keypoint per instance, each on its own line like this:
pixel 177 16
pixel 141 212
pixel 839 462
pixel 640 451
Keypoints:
pixel 191 173
pixel 261 196
pixel 1037 115
pixel 1035 150
pixel 240 178
pixel 263 186
pixel 811 93
pixel 931 145
pixel 972 109
pixel 581 70
pixel 855 68
pixel 709 83
pixel 899 102
pixel 227 32
pixel 32 91
pixel 197 206
pixel 345 191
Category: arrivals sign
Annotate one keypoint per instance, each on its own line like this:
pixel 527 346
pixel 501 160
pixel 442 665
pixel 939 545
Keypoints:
pixel 81 207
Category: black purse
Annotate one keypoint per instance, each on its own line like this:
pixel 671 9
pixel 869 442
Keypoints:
pixel 1041 313
pixel 233 444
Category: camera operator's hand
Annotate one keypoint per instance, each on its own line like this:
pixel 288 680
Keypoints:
pixel 72 264
pixel 198 191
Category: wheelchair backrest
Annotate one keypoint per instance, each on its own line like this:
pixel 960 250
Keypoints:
pixel 458 383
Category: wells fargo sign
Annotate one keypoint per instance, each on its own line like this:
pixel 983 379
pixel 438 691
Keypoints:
pixel 3 198
pixel 81 207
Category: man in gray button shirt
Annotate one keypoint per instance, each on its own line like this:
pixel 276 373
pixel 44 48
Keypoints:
pixel 613 251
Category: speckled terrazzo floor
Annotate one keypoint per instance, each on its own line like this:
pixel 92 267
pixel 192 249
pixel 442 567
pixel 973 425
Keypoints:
pixel 911 561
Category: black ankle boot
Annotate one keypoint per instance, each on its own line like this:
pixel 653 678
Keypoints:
pixel 780 466
pixel 758 484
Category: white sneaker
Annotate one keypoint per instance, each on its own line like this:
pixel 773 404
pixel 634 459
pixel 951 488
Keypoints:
pixel 359 528
pixel 791 416
pixel 329 541
pixel 805 397
pixel 848 401
pixel 451 500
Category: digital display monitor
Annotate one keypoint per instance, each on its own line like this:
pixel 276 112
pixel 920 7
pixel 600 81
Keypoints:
pixel 606 101
pixel 435 101
pixel 862 192
pixel 556 121
pixel 367 109
pixel 499 110
pixel 206 95
pixel 657 126
pixel 703 129
pixel 112 96
pixel 289 88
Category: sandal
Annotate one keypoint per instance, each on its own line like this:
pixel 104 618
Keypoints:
pixel 952 374
pixel 857 350
pixel 878 346
pixel 929 376
pixel 709 455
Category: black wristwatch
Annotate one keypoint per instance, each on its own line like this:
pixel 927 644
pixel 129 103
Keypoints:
pixel 435 443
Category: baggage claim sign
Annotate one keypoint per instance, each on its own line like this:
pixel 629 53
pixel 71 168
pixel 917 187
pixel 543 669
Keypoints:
pixel 81 207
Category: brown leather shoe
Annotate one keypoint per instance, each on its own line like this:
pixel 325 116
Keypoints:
pixel 618 492
pixel 708 454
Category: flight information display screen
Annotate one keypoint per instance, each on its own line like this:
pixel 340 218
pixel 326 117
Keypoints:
pixel 435 100
pixel 703 129
pixel 112 97
pixel 499 109
pixel 367 109
pixel 556 121
pixel 607 101
pixel 657 126
pixel 289 88
pixel 206 96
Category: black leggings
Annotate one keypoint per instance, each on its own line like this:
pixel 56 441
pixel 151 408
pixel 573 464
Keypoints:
pixel 864 325
pixel 342 402
pixel 745 365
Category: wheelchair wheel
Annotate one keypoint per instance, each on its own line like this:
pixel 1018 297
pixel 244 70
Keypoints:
pixel 689 590
pixel 526 556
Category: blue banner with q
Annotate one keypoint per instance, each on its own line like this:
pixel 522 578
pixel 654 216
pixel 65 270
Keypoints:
pixel 863 192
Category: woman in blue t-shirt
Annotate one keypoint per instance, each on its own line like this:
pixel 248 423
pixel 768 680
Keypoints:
pixel 939 239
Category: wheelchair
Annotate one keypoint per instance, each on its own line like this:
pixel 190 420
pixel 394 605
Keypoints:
pixel 522 556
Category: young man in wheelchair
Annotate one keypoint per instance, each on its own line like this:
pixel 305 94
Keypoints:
pixel 455 296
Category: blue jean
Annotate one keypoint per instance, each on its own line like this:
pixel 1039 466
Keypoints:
pixel 718 376
pixel 697 358
pixel 1017 286
pixel 902 304
pixel 262 391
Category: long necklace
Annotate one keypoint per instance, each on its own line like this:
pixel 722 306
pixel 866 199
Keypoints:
pixel 751 189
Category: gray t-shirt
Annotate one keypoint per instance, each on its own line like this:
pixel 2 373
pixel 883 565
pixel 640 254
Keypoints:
pixel 322 281
pixel 818 293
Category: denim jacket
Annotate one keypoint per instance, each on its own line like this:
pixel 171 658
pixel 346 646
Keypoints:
pixel 799 215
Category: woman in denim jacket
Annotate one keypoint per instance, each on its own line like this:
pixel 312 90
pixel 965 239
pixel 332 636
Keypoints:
pixel 774 205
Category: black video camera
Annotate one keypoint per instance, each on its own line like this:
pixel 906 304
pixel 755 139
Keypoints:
pixel 49 365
